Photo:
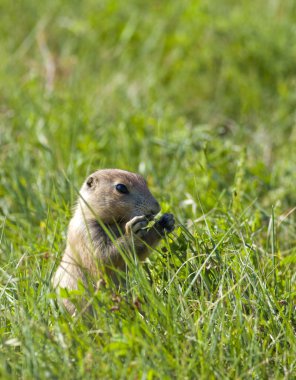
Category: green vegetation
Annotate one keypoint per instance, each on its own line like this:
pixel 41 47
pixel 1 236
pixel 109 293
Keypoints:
pixel 198 96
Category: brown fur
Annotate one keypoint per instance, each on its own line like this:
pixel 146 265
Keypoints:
pixel 100 206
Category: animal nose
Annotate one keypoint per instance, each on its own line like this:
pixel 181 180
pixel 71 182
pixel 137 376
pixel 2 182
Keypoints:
pixel 155 209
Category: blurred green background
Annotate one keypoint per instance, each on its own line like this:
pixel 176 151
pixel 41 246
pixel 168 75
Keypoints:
pixel 188 93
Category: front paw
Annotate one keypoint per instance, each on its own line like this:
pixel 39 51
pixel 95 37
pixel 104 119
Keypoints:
pixel 136 226
pixel 166 223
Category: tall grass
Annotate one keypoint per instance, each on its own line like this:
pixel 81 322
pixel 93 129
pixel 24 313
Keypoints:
pixel 197 96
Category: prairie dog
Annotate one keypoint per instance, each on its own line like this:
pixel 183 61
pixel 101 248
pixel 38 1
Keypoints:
pixel 111 202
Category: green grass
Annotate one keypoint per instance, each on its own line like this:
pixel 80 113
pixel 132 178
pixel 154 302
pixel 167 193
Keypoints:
pixel 199 97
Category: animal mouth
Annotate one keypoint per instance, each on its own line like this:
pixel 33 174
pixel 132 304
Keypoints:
pixel 150 216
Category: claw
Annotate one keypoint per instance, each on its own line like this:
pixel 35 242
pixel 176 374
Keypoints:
pixel 136 225
pixel 167 222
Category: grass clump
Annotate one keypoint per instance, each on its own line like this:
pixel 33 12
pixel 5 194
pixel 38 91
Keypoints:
pixel 200 99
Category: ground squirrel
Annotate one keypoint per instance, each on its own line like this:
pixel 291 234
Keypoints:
pixel 112 214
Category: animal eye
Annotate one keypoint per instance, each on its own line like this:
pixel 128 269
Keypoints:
pixel 121 188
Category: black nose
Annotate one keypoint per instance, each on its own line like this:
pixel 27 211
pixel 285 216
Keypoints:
pixel 155 209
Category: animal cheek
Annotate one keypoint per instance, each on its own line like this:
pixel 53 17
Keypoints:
pixel 131 212
pixel 120 209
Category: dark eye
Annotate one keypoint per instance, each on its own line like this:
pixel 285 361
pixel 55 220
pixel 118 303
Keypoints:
pixel 121 188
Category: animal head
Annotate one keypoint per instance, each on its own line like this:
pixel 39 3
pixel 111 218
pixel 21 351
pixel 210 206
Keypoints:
pixel 115 195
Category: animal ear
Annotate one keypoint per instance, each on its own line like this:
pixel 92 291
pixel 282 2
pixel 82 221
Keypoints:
pixel 90 181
